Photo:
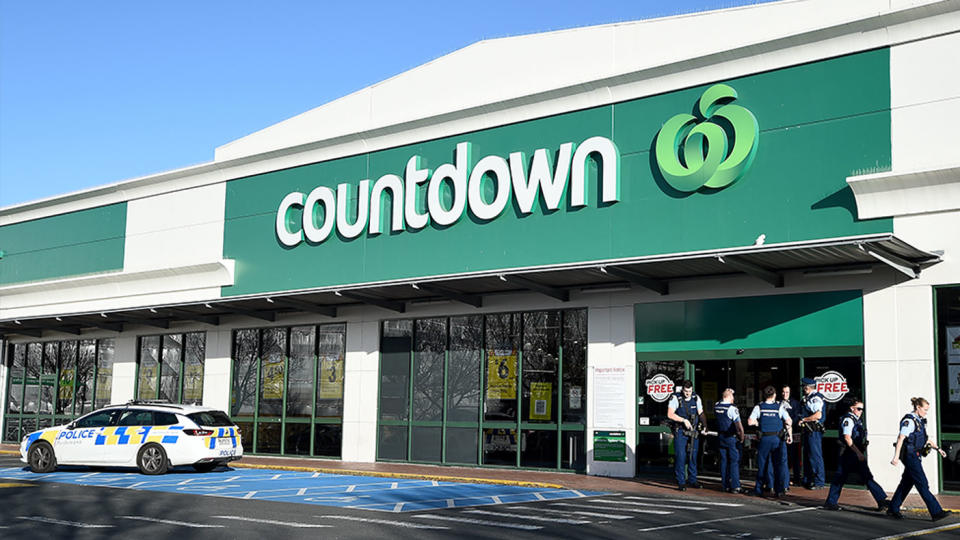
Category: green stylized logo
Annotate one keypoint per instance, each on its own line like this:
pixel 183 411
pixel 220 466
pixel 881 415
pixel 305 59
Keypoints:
pixel 695 152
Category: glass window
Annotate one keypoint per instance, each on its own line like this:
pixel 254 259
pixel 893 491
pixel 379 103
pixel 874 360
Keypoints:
pixel 67 369
pixel 395 349
pixel 268 437
pixel 170 367
pixel 84 383
pixel 327 440
pixel 210 419
pixel 574 399
pixel 463 371
pixel 296 439
pixel 245 366
pixel 850 369
pixel 428 360
pixel 331 348
pixel 303 342
pixel 161 418
pixel 136 418
pixel 105 359
pixel 194 355
pixel 272 373
pixel 149 367
pixel 948 367
pixel 652 401
pixel 98 419
pixel 502 335
pixel 541 354
pixel 17 372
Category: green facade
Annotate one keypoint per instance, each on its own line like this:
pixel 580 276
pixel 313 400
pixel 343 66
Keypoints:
pixel 77 243
pixel 819 123
pixel 757 324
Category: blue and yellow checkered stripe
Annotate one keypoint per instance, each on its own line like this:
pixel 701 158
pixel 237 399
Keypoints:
pixel 122 435
pixel 230 433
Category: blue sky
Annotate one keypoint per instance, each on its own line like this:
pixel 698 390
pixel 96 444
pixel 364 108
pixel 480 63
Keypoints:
pixel 96 92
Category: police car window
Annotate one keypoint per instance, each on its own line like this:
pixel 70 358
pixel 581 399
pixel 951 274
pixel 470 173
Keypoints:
pixel 99 419
pixel 211 419
pixel 164 418
pixel 136 418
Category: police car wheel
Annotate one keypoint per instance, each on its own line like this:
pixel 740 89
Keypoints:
pixel 41 458
pixel 205 467
pixel 152 459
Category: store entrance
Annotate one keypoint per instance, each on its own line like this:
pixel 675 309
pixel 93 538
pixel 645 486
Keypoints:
pixel 747 378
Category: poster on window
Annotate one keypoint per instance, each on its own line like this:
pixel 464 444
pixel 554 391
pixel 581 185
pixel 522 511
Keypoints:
pixel 953 344
pixel 502 374
pixel 66 384
pixel 953 374
pixel 609 391
pixel 540 398
pixel 331 377
pixel 272 378
pixel 148 382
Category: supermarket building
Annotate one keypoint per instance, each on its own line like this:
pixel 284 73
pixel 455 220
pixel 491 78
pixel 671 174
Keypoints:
pixel 510 255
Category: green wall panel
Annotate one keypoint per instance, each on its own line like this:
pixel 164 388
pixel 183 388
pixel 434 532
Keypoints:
pixel 819 123
pixel 82 242
pixel 827 319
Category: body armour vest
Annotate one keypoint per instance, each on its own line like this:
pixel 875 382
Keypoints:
pixel 859 433
pixel 770 421
pixel 806 410
pixel 688 409
pixel 724 423
pixel 918 438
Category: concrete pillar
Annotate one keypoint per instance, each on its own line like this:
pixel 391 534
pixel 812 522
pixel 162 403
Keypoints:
pixel 360 391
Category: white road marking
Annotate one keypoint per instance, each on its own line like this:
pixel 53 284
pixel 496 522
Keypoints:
pixel 350 488
pixel 591 514
pixel 397 507
pixel 434 483
pixel 386 522
pixel 922 532
pixel 684 501
pixel 706 531
pixel 496 499
pixel 728 519
pixel 187 481
pixel 450 503
pixel 138 484
pixel 88 475
pixel 42 519
pixel 607 501
pixel 524 516
pixel 577 492
pixel 539 496
pixel 316 474
pixel 172 522
pixel 274 522
pixel 249 495
pixel 480 522
pixel 276 477
pixel 393 485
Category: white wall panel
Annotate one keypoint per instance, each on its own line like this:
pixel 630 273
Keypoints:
pixel 216 369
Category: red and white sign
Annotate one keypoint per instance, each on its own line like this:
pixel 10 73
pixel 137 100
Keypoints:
pixel 660 387
pixel 832 385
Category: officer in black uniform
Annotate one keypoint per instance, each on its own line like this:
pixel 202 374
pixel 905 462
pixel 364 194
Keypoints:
pixel 685 409
pixel 852 458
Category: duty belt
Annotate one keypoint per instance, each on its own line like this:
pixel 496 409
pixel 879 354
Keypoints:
pixel 769 433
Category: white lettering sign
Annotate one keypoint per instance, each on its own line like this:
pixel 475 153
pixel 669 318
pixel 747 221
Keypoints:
pixel 441 196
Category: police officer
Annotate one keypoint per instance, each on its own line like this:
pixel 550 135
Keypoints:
pixel 910 448
pixel 772 418
pixel 729 434
pixel 686 409
pixel 793 449
pixel 812 417
pixel 853 444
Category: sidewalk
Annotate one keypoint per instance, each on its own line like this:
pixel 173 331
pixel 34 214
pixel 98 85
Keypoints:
pixel 662 487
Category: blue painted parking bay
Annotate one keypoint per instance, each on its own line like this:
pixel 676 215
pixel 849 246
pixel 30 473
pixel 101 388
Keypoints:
pixel 360 492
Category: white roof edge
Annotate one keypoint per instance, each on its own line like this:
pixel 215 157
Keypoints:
pixel 115 192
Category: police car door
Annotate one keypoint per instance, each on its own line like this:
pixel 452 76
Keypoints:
pixel 77 444
pixel 128 435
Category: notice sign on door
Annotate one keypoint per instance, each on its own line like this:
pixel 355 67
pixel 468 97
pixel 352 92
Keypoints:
pixel 540 398
pixel 501 374
pixel 610 446
pixel 609 397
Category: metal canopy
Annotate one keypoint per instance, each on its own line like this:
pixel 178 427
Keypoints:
pixel 766 263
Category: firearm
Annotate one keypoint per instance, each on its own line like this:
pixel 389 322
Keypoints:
pixel 813 426
pixel 922 452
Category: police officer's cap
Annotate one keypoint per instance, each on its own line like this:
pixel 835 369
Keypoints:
pixel 807 381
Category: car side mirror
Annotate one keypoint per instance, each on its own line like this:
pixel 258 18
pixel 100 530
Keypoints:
pixel 72 425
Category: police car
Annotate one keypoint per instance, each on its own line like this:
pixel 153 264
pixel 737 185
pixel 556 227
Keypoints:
pixel 150 436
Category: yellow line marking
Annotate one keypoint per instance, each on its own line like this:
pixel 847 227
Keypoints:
pixel 923 532
pixel 924 510
pixel 14 452
pixel 14 484
pixel 401 475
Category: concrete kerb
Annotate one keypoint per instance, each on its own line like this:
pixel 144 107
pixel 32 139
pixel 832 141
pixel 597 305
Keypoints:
pixel 408 476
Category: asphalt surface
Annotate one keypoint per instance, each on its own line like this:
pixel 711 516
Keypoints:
pixel 60 508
